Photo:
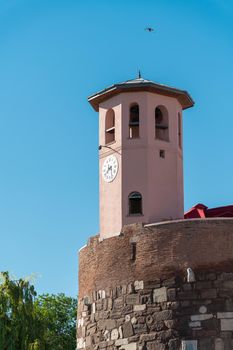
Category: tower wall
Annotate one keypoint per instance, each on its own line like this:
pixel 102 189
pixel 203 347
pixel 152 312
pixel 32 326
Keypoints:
pixel 141 169
pixel 133 291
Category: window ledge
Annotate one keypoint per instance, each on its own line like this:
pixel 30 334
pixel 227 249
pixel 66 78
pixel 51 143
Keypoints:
pixel 110 143
pixel 162 140
pixel 133 215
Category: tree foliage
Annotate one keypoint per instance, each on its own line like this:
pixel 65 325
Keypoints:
pixel 28 322
pixel 59 315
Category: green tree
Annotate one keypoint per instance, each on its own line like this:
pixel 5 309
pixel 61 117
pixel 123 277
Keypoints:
pixel 28 322
pixel 18 325
pixel 58 315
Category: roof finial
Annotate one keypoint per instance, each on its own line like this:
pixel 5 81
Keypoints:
pixel 139 74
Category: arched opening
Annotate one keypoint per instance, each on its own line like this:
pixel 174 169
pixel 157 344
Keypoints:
pixel 135 203
pixel 110 126
pixel 134 121
pixel 161 123
pixel 179 131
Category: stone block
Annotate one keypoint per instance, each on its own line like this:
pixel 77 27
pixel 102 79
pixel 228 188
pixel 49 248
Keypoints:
pixel 160 295
pixel 130 288
pixel 107 335
pixel 103 315
pixel 187 287
pixel 226 276
pixel 163 315
pixel 155 345
pixel 219 344
pixel 211 276
pixel 140 328
pixel 228 305
pixel 89 342
pixel 138 308
pixel 102 345
pixel 195 324
pixel 228 344
pixel 132 299
pixel 148 337
pixel 149 320
pixel 225 315
pixel 120 342
pixel 134 338
pixel 120 332
pixel 212 323
pixel 205 344
pixel 80 343
pixel 138 285
pixel 227 324
pixel 201 317
pixel 118 303
pixel 209 294
pixel 171 324
pixel 114 334
pixel 131 346
pixel 124 289
pixel 93 309
pixel 152 284
pixel 91 330
pixel 157 326
pixel 110 324
pixel 134 320
pixel 227 285
pixel 171 294
pixel 127 329
pixel 203 285
pixel 171 282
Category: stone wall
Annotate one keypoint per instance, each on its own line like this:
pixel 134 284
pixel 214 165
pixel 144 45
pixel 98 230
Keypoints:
pixel 134 294
pixel 159 315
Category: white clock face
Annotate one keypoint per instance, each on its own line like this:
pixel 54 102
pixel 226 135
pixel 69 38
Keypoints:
pixel 110 168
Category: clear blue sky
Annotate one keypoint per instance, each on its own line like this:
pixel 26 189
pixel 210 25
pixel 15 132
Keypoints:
pixel 55 53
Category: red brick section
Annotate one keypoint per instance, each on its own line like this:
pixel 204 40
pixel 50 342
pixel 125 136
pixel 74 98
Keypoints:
pixel 161 251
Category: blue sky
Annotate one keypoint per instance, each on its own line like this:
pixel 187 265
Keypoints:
pixel 53 54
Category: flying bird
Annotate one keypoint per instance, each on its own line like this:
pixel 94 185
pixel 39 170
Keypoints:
pixel 149 29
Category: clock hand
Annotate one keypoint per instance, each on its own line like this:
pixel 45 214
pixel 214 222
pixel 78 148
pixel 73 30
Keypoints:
pixel 106 172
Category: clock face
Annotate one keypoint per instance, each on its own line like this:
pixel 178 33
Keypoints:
pixel 110 168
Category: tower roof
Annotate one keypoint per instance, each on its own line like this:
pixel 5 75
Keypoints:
pixel 141 84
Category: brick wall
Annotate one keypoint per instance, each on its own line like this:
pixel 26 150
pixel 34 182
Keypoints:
pixel 160 252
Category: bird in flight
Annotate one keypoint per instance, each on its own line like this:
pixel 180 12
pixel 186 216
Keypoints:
pixel 149 29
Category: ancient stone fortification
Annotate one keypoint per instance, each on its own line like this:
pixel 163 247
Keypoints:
pixel 134 294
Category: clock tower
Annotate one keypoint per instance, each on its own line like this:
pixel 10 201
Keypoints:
pixel 140 153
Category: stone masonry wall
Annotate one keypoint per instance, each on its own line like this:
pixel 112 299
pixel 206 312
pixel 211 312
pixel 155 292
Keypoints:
pixel 134 294
pixel 159 315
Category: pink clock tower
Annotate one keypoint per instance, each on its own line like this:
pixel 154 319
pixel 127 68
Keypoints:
pixel 141 155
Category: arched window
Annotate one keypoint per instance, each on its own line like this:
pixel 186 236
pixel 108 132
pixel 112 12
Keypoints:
pixel 135 203
pixel 134 121
pixel 161 123
pixel 110 126
pixel 179 131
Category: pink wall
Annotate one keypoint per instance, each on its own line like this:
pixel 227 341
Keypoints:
pixel 160 181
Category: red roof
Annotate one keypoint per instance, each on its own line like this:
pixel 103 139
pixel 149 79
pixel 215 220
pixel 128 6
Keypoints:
pixel 201 211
